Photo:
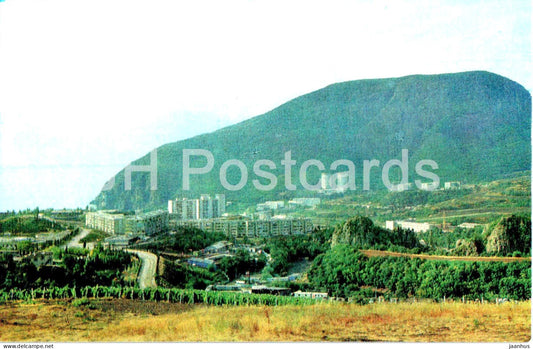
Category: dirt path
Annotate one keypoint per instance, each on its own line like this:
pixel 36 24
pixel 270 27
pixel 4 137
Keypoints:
pixel 75 241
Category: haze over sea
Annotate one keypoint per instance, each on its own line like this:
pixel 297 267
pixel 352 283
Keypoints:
pixel 52 186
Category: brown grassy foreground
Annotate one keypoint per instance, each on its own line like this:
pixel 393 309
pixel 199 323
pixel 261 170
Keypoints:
pixel 125 320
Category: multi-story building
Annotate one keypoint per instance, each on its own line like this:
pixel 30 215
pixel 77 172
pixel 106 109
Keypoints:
pixel 203 208
pixel 219 205
pixel 107 221
pixel 184 209
pixel 152 222
pixel 250 228
pixel 118 223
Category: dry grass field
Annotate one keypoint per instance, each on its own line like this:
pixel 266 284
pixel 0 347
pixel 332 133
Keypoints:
pixel 109 320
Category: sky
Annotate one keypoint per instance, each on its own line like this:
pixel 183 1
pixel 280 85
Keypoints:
pixel 86 87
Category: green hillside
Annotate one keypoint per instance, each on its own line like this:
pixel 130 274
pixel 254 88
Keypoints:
pixel 474 125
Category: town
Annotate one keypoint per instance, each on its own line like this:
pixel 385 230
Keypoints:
pixel 270 248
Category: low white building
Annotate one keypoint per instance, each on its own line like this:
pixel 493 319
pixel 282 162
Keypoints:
pixel 306 202
pixel 469 225
pixel 428 186
pixel 313 295
pixel 270 205
pixel 417 227
pixel 402 187
pixel 452 185
pixel 218 247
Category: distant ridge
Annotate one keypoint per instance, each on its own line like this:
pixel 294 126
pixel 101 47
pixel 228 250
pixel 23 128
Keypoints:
pixel 475 125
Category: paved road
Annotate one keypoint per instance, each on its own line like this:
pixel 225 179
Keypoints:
pixel 148 268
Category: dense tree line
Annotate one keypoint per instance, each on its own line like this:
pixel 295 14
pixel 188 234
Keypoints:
pixel 189 277
pixel 229 268
pixel 421 197
pixel 342 271
pixel 509 236
pixel 289 249
pixel 27 225
pixel 99 267
pixel 361 232
pixel 242 262
pixel 185 240
pixel 436 239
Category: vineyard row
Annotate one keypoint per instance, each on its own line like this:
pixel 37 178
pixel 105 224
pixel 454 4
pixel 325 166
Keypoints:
pixel 173 295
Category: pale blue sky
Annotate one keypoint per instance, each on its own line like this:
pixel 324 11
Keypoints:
pixel 101 83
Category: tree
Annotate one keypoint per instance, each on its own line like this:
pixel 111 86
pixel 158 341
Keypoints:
pixel 510 234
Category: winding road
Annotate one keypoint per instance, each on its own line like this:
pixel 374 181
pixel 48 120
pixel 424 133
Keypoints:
pixel 146 277
pixel 148 268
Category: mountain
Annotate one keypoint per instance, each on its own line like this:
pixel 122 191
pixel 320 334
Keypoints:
pixel 474 125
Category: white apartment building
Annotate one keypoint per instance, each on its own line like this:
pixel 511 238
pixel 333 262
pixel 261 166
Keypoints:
pixel 107 221
pixel 118 223
pixel 250 228
pixel 205 207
